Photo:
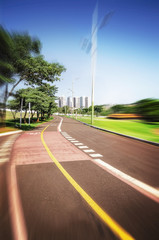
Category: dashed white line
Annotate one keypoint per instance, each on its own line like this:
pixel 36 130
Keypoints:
pixel 88 150
pixel 82 147
pixel 145 189
pixel 96 155
pixel 74 141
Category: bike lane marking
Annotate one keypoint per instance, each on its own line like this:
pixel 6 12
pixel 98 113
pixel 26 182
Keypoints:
pixel 111 223
pixel 145 189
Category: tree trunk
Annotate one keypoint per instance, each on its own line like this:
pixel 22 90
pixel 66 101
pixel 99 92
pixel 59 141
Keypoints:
pixel 13 114
pixel 25 116
pixel 37 116
pixel 32 115
pixel 3 112
pixel 49 110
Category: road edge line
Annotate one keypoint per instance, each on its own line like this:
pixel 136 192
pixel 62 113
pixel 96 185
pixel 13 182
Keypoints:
pixel 141 187
pixel 138 185
pixel 111 223
pixel 9 133
pixel 17 217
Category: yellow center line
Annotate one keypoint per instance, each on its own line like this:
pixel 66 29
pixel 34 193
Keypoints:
pixel 112 224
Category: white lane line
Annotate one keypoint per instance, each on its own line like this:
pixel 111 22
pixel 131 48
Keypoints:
pixel 6 159
pixel 71 139
pixel 17 215
pixel 96 155
pixel 78 144
pixel 138 185
pixel 143 188
pixel 74 141
pixel 82 147
pixel 59 126
pixel 9 133
pixel 88 150
pixel 65 134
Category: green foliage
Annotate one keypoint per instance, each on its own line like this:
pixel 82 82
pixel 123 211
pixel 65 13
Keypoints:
pixel 42 100
pixel 25 127
pixel 6 47
pixel 117 108
pixel 37 70
pixel 85 110
pixel 20 56
pixel 149 109
pixel 98 108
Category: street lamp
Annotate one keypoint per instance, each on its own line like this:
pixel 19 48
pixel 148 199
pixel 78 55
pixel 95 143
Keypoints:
pixel 73 95
pixel 91 44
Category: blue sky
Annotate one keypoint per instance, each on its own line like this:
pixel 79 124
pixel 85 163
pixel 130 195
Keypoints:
pixel 127 47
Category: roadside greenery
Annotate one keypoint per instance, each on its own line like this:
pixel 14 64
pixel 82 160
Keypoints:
pixel 41 99
pixel 13 124
pixel 138 128
pixel 20 61
pixel 148 109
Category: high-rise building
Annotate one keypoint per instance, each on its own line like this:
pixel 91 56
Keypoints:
pixel 76 102
pixel 62 101
pixel 69 102
pixel 82 102
pixel 87 102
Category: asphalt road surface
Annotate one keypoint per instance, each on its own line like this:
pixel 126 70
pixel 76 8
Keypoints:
pixel 58 179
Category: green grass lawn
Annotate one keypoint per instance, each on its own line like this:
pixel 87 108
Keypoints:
pixel 12 125
pixel 10 116
pixel 139 129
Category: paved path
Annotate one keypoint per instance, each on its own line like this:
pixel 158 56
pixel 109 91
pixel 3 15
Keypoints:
pixel 58 179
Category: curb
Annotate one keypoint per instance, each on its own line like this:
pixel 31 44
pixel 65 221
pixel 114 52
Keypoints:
pixel 9 133
pixel 120 134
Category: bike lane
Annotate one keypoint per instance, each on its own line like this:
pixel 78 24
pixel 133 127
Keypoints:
pixel 50 207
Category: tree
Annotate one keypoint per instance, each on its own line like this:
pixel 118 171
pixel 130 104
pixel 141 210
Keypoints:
pixel 98 108
pixel 6 47
pixel 148 109
pixel 6 70
pixel 20 54
pixel 37 72
pixel 14 106
pixel 50 91
pixel 42 100
pixel 20 57
pixel 119 108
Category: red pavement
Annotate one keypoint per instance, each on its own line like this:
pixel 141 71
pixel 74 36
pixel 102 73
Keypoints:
pixel 28 149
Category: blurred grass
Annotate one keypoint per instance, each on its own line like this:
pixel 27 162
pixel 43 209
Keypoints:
pixel 10 116
pixel 12 125
pixel 139 129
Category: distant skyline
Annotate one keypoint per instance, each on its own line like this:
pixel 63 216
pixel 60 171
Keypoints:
pixel 75 102
pixel 127 52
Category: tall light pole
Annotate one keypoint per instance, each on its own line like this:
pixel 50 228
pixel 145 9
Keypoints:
pixel 72 98
pixel 91 44
pixel 73 95
pixel 93 55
